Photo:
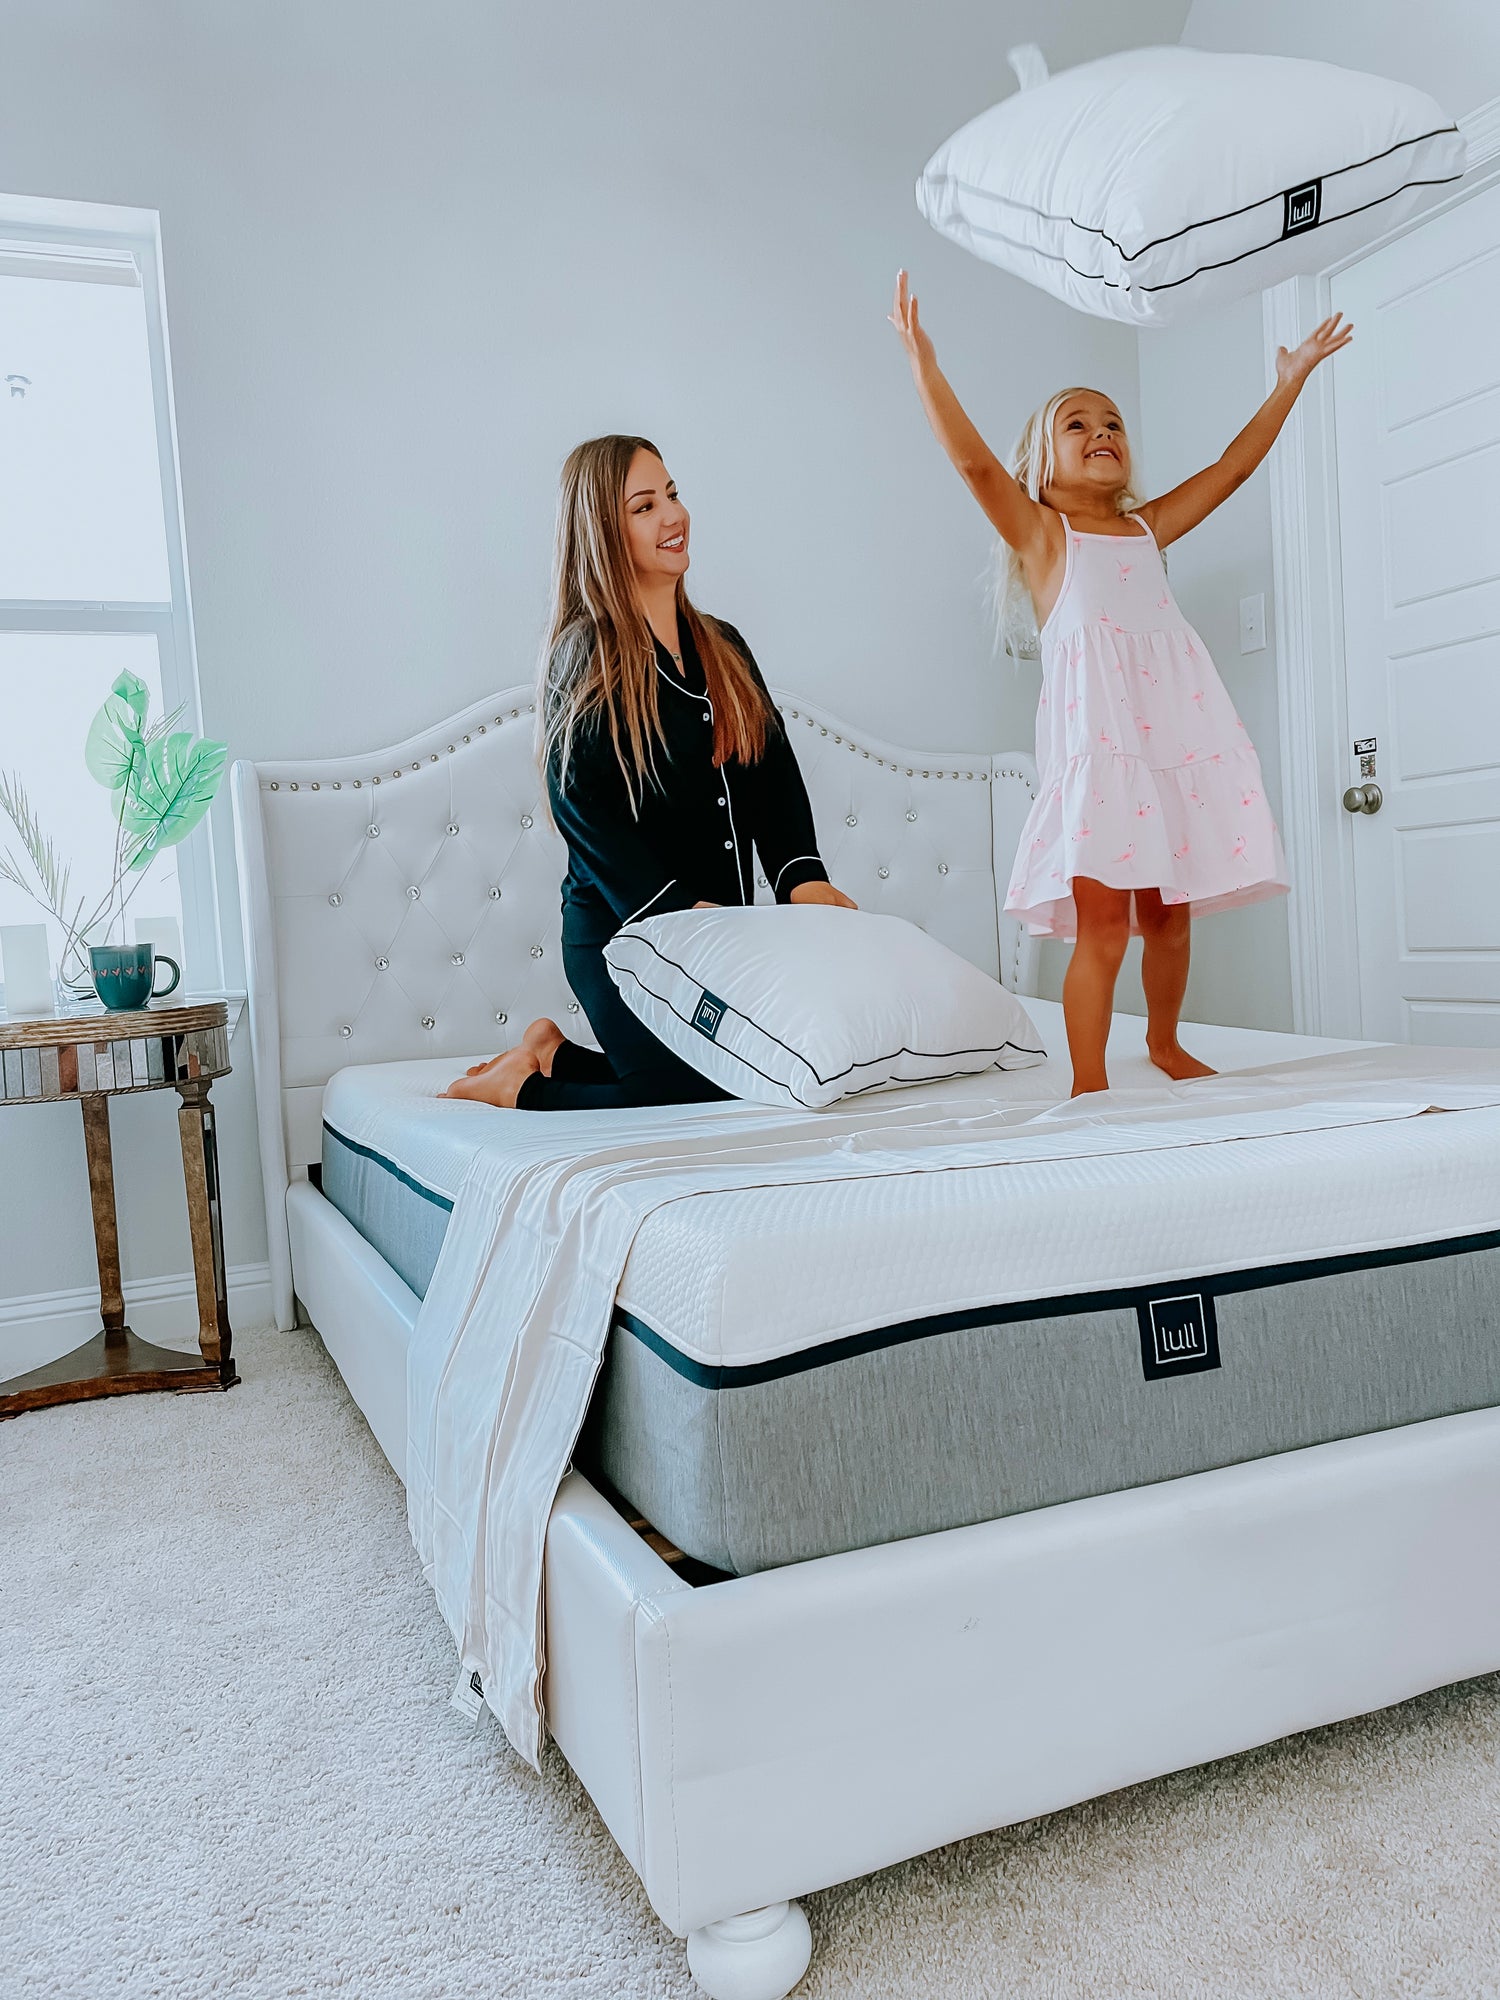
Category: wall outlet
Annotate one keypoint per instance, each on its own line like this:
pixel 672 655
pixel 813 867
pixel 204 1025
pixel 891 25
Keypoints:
pixel 1253 623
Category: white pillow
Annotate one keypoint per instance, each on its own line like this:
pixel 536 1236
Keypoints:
pixel 802 1004
pixel 1160 181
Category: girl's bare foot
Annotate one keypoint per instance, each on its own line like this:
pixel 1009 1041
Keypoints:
pixel 499 1082
pixel 1175 1060
pixel 544 1038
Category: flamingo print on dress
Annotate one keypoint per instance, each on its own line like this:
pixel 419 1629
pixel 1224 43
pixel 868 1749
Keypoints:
pixel 1171 785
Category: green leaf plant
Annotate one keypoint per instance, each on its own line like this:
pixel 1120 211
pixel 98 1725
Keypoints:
pixel 161 782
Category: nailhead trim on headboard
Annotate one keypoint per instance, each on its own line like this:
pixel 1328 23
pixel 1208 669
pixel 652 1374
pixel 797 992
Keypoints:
pixel 849 744
pixel 433 757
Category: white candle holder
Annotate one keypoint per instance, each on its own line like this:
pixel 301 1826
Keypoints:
pixel 26 963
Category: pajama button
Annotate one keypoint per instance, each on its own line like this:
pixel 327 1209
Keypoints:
pixel 723 802
pixel 707 715
pixel 729 843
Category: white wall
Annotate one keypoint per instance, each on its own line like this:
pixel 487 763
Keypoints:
pixel 1199 383
pixel 412 255
pixel 1448 47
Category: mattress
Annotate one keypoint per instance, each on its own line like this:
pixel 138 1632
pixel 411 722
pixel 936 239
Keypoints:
pixel 799 1371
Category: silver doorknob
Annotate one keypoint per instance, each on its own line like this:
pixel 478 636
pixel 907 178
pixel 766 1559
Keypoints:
pixel 1363 799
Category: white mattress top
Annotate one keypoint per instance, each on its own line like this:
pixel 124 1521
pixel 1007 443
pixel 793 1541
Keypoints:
pixel 733 1278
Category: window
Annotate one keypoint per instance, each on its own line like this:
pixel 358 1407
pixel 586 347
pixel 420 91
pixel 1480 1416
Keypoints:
pixel 93 577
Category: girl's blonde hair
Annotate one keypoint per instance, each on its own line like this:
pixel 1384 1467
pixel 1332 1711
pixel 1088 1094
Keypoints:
pixel 599 655
pixel 1032 464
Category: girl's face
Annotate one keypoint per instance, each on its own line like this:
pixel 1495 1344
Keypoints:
pixel 1090 451
pixel 656 522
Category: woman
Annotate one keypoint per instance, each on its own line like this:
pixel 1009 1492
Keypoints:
pixel 665 763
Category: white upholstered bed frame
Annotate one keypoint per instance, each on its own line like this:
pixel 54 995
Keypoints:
pixel 777 1733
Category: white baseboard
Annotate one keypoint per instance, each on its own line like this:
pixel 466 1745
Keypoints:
pixel 40 1326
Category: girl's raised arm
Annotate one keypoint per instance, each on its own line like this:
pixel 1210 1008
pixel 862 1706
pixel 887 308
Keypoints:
pixel 1196 498
pixel 1012 512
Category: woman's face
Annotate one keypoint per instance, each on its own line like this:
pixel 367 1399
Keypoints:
pixel 1089 447
pixel 656 522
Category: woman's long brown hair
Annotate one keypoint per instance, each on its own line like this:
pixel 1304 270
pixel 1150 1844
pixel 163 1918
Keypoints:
pixel 600 656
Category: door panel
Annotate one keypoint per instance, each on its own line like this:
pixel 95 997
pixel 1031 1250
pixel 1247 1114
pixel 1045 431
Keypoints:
pixel 1417 412
pixel 1449 317
pixel 1427 690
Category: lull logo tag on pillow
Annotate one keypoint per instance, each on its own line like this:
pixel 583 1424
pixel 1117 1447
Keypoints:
pixel 710 1012
pixel 1179 1335
pixel 1304 205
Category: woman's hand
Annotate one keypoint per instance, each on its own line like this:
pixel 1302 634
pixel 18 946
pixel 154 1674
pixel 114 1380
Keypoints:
pixel 822 892
pixel 1294 365
pixel 903 317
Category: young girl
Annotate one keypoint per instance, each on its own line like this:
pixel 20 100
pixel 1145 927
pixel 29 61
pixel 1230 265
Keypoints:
pixel 1151 809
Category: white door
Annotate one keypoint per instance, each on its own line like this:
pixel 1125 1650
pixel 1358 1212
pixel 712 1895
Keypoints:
pixel 1417 400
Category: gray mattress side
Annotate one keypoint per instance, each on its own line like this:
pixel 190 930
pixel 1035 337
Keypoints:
pixel 907 1431
pixel 973 1423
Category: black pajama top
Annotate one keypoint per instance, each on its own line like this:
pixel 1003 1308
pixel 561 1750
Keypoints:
pixel 693 837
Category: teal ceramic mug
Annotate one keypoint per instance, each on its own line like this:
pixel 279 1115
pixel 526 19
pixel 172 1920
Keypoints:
pixel 125 974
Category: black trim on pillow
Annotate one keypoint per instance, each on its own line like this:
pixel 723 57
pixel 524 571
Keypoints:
pixel 1125 1298
pixel 1170 284
pixel 868 1062
pixel 1207 221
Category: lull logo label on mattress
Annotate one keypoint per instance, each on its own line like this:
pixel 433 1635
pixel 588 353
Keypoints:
pixel 710 1012
pixel 1179 1335
pixel 1304 205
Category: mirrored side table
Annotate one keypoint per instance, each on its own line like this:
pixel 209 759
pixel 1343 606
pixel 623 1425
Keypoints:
pixel 89 1057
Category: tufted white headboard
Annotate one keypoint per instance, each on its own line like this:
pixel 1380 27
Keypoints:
pixel 404 902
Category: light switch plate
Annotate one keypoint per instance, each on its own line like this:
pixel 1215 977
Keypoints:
pixel 1253 623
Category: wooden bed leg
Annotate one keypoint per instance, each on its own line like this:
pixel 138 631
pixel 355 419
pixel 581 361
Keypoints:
pixel 759 1956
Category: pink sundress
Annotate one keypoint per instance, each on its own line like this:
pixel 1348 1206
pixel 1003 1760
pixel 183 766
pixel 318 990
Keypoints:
pixel 1148 779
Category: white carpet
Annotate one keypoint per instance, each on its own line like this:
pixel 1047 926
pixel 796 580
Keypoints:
pixel 229 1767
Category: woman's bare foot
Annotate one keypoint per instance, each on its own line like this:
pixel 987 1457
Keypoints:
pixel 544 1038
pixel 499 1082
pixel 1175 1060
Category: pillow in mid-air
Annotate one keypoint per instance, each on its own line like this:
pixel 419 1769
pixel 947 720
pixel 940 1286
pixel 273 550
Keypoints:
pixel 805 1004
pixel 1160 181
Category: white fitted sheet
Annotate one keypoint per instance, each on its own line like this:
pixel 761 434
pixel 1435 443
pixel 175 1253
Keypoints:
pixel 734 1278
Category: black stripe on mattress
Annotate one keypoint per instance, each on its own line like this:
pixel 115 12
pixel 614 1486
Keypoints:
pixel 1125 1298
pixel 406 1180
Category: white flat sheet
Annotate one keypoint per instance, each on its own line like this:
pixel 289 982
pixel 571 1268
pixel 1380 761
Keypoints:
pixel 513 1326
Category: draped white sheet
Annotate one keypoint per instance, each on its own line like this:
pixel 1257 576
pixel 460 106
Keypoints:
pixel 513 1327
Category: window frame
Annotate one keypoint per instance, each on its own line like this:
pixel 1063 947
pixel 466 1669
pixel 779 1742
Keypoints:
pixel 137 232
